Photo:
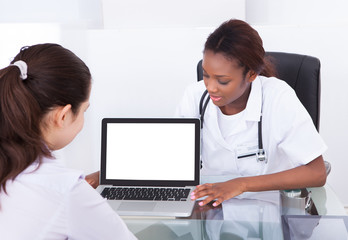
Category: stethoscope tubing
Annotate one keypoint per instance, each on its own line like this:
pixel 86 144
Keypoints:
pixel 202 108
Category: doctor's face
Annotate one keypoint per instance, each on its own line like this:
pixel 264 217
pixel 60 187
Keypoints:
pixel 225 81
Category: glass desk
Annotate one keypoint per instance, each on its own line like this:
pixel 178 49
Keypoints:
pixel 253 216
pixel 211 223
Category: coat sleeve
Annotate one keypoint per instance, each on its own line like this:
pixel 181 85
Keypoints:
pixel 189 104
pixel 298 140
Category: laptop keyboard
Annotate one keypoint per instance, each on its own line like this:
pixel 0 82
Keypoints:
pixel 152 194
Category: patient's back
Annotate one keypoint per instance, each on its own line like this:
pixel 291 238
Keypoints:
pixel 54 202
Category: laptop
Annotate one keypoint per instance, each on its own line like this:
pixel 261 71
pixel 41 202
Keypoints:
pixel 150 166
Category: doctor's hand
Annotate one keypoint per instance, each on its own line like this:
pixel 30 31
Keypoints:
pixel 220 191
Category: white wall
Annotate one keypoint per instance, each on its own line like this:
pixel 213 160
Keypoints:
pixel 296 12
pixel 141 62
pixel 66 12
pixel 168 14
pixel 17 35
pixel 142 54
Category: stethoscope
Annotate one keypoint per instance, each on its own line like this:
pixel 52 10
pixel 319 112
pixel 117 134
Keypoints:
pixel 260 154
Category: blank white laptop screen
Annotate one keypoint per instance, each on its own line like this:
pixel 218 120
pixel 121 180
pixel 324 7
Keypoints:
pixel 150 151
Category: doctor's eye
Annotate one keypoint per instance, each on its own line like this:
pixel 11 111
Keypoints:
pixel 223 82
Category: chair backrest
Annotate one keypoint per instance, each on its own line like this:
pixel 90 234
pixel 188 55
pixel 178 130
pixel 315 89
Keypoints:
pixel 301 72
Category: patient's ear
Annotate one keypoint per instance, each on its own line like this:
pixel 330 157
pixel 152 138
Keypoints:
pixel 61 115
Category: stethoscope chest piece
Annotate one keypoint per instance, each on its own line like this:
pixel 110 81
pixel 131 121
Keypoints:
pixel 261 156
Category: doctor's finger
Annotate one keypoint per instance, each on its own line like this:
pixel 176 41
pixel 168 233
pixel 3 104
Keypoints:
pixel 199 194
pixel 203 187
pixel 205 190
pixel 206 201
pixel 218 201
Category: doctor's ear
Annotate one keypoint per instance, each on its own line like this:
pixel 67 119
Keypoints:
pixel 251 76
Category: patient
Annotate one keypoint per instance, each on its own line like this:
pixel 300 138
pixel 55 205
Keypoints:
pixel 43 96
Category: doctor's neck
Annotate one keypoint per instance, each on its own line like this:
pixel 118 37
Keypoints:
pixel 238 104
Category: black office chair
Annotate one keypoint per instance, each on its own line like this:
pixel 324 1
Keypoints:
pixel 302 73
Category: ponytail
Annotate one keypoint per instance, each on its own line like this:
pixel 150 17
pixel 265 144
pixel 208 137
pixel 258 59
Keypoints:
pixel 268 69
pixel 20 141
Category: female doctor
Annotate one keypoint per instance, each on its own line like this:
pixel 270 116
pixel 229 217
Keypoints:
pixel 241 95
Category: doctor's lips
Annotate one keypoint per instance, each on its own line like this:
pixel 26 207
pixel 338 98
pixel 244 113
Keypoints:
pixel 215 98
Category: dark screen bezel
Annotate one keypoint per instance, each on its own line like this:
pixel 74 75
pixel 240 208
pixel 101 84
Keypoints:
pixel 174 183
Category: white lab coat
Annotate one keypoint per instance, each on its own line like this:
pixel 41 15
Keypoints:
pixel 53 202
pixel 289 136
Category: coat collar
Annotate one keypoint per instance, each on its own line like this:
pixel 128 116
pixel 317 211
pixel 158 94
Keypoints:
pixel 254 105
pixel 252 113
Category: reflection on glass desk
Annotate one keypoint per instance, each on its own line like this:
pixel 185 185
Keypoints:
pixel 251 216
pixel 254 221
pixel 314 227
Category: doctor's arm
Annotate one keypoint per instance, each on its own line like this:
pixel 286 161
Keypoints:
pixel 312 174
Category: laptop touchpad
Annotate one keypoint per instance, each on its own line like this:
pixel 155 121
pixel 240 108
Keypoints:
pixel 135 206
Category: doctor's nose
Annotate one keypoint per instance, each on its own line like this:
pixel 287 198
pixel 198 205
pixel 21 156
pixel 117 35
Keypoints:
pixel 211 87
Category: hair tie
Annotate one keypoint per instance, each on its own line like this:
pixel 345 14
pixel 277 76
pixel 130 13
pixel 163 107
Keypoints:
pixel 23 67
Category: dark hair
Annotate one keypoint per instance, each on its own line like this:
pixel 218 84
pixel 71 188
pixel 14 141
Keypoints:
pixel 237 40
pixel 55 77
